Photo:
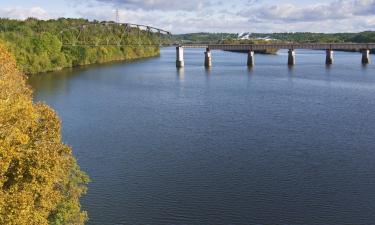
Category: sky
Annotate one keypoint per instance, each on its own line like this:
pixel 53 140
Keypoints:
pixel 187 16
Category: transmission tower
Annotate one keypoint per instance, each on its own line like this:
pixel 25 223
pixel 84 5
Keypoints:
pixel 117 16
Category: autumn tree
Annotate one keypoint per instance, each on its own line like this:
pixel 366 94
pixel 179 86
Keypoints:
pixel 40 181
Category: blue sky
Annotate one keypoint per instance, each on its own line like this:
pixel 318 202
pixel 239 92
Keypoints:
pixel 183 16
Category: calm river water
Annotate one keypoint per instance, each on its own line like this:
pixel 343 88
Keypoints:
pixel 227 146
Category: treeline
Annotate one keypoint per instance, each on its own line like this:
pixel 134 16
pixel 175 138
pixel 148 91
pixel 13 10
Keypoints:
pixel 38 45
pixel 270 51
pixel 40 181
pixel 203 37
pixel 363 37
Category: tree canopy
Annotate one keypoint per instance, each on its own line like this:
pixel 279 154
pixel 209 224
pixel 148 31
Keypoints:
pixel 40 181
pixel 38 45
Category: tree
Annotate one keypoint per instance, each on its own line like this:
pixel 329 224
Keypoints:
pixel 37 44
pixel 40 181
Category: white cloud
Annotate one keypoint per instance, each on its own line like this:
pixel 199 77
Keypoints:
pixel 24 13
pixel 221 16
pixel 337 10
pixel 169 5
pixel 241 15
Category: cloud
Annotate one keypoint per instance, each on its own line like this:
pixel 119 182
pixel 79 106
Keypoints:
pixel 337 10
pixel 24 13
pixel 250 16
pixel 220 15
pixel 169 5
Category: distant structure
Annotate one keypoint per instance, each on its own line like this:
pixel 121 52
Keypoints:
pixel 249 36
pixel 291 47
pixel 119 32
pixel 117 16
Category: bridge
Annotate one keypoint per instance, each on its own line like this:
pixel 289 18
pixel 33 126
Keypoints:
pixel 129 34
pixel 251 48
pixel 112 34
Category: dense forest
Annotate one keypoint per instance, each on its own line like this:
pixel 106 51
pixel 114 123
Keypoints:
pixel 40 181
pixel 41 46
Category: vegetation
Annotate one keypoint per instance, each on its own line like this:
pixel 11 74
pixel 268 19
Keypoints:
pixel 270 51
pixel 40 181
pixel 363 37
pixel 203 37
pixel 40 46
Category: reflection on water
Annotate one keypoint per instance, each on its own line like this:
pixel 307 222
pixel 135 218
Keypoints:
pixel 229 145
pixel 181 74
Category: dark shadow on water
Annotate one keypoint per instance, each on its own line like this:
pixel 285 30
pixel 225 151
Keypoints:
pixel 208 71
pixel 328 68
pixel 291 70
pixel 364 67
pixel 250 70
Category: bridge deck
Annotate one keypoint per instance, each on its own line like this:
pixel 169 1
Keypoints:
pixel 245 47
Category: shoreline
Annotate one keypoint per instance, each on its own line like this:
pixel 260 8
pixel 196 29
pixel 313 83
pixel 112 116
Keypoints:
pixel 109 62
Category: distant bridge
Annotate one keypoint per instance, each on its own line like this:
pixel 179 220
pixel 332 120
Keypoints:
pixel 112 34
pixel 250 48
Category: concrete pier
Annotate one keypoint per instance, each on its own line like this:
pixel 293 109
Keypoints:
pixel 250 59
pixel 291 57
pixel 180 57
pixel 365 56
pixel 329 56
pixel 208 58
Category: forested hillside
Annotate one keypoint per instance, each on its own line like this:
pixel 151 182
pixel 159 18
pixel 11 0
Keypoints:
pixel 37 45
pixel 40 181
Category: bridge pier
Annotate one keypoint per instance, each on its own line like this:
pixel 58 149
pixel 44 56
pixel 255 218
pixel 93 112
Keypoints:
pixel 291 57
pixel 208 58
pixel 329 57
pixel 180 57
pixel 250 59
pixel 365 56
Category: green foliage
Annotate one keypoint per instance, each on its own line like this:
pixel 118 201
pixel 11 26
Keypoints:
pixel 364 37
pixel 40 181
pixel 38 45
pixel 203 37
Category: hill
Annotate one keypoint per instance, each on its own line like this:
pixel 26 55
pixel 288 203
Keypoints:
pixel 37 45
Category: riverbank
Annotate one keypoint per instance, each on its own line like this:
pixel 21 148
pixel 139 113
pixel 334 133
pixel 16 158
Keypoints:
pixel 40 179
pixel 129 55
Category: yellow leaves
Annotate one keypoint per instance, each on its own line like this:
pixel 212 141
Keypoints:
pixel 38 173
pixel 16 137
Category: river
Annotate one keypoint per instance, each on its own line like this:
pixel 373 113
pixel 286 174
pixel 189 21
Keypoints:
pixel 272 145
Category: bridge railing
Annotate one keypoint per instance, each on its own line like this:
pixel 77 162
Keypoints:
pixel 250 48
pixel 255 47
pixel 112 34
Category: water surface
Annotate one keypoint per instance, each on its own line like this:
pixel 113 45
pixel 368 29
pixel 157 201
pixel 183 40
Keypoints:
pixel 272 145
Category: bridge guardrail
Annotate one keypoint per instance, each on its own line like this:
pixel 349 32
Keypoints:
pixel 255 47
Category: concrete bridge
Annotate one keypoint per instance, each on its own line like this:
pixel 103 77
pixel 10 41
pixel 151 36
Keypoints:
pixel 364 48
